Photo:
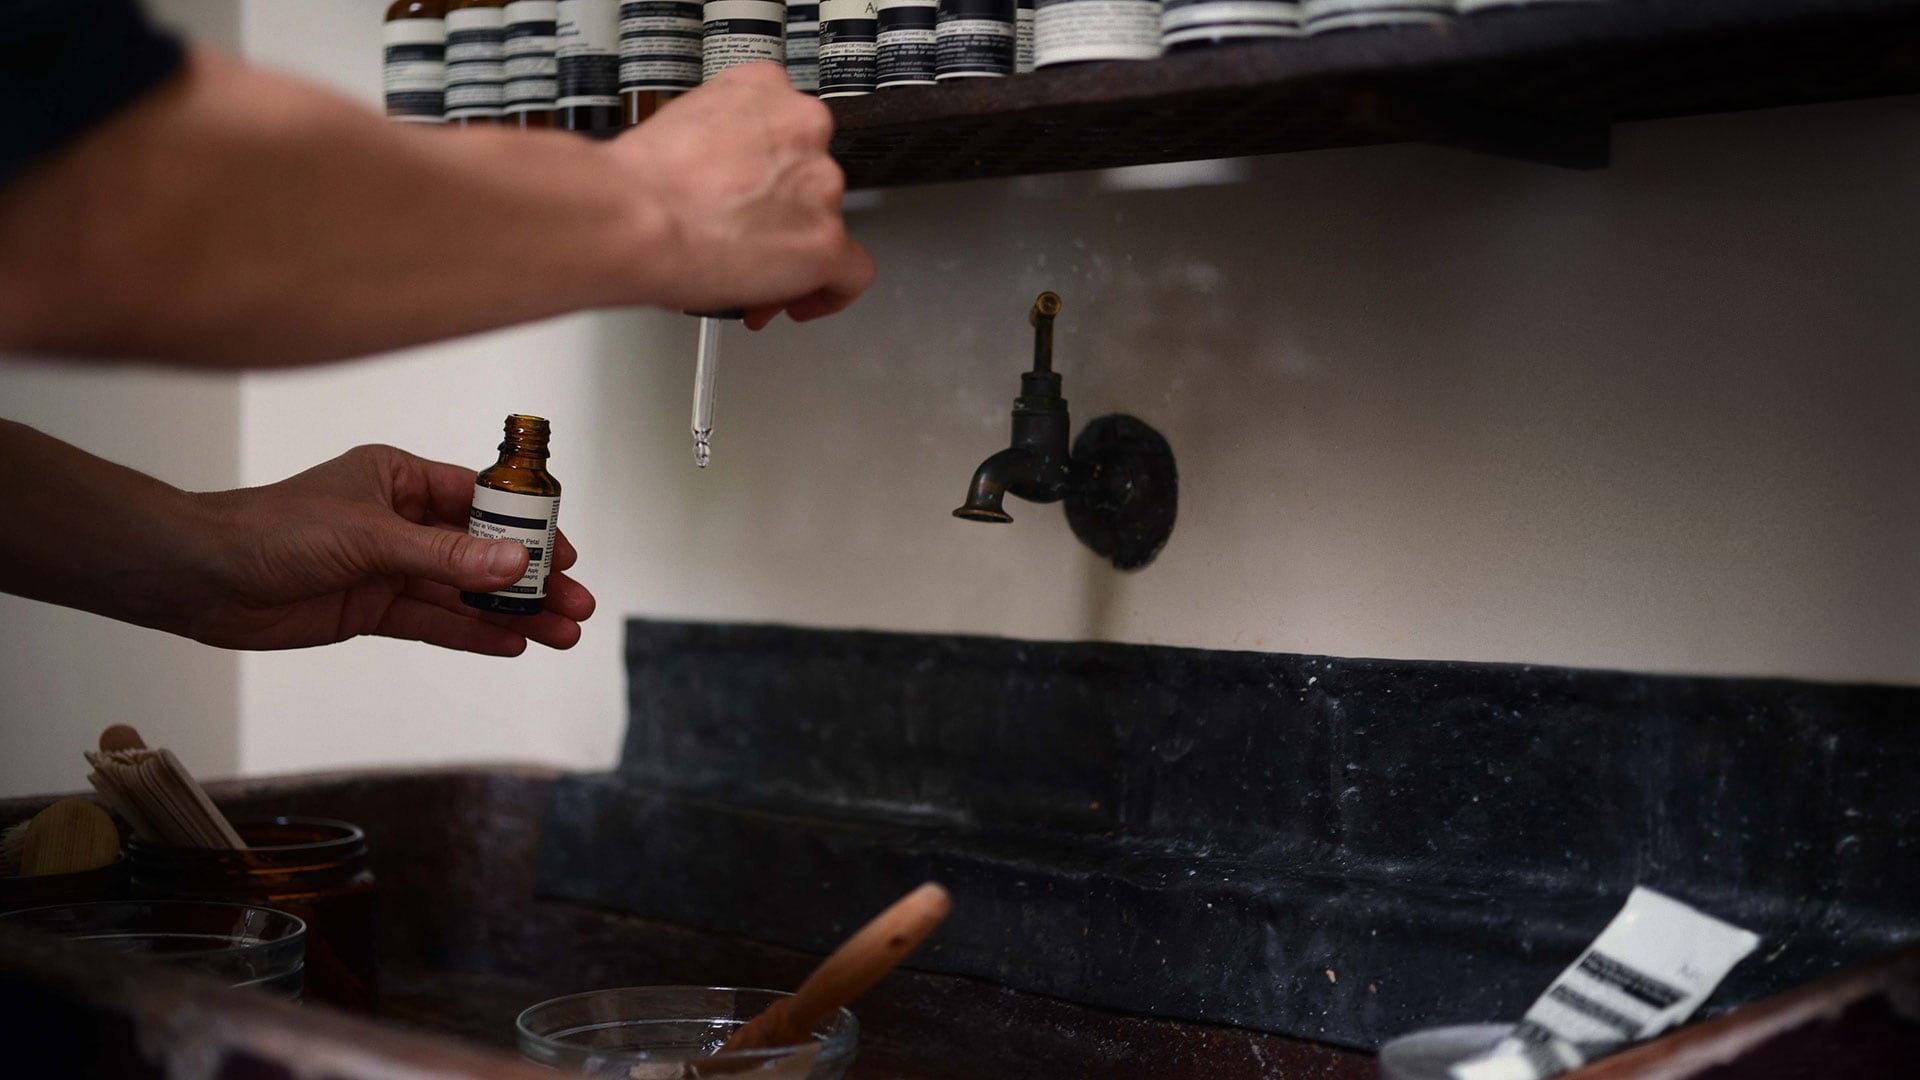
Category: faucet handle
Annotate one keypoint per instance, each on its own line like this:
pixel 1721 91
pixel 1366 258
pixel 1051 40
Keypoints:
pixel 1045 306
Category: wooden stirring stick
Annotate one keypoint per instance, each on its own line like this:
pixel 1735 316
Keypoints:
pixel 854 967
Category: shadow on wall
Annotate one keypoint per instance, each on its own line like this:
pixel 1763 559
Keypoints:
pixel 1424 404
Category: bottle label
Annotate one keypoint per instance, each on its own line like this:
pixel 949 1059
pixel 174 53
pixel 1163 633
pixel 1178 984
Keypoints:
pixel 741 31
pixel 1182 21
pixel 849 39
pixel 803 45
pixel 1338 14
pixel 531 519
pixel 660 45
pixel 974 38
pixel 587 46
pixel 1068 31
pixel 414 71
pixel 1653 965
pixel 1023 38
pixel 476 74
pixel 532 70
pixel 906 43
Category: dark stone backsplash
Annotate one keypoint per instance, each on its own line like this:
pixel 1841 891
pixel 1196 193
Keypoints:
pixel 1335 849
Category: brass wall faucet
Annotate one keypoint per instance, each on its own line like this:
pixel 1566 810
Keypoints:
pixel 1118 480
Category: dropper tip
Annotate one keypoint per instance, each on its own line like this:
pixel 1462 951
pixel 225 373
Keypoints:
pixel 702 450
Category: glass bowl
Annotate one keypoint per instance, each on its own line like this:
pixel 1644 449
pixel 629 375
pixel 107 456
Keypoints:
pixel 663 1032
pixel 241 945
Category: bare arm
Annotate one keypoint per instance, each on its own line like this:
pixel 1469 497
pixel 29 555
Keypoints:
pixel 240 218
pixel 372 542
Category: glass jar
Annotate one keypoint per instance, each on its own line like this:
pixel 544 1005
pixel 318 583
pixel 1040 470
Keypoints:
pixel 640 1031
pixel 315 868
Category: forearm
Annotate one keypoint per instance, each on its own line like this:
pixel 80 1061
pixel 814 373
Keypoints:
pixel 236 217
pixel 89 534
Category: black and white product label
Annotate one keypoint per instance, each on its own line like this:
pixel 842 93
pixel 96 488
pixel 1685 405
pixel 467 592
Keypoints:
pixel 1183 21
pixel 532 71
pixel 742 31
pixel 1321 15
pixel 1648 970
pixel 587 44
pixel 1023 38
pixel 660 45
pixel 414 70
pixel 1069 31
pixel 974 39
pixel 530 519
pixel 904 56
pixel 1468 7
pixel 803 45
pixel 849 40
pixel 476 62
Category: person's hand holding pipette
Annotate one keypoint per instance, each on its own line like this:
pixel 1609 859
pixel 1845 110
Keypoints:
pixel 751 198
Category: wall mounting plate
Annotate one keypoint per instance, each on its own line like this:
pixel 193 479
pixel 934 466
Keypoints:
pixel 1127 512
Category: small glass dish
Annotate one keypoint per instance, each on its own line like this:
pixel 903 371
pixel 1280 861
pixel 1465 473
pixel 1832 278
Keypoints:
pixel 241 945
pixel 664 1032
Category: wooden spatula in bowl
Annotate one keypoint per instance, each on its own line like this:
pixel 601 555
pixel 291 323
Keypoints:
pixel 851 970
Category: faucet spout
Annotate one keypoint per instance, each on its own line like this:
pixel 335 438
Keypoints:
pixel 1038 466
pixel 1014 469
pixel 1117 479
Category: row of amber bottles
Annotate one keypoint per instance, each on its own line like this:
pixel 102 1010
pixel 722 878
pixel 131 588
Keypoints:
pixel 467 62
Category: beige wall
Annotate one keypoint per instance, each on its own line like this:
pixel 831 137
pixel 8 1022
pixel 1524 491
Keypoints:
pixel 1425 404
pixel 64 675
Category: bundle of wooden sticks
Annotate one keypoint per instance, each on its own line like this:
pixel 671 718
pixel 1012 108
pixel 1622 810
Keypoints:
pixel 156 794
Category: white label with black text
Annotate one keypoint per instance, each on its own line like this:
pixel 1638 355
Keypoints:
pixel 1069 31
pixel 587 46
pixel 532 70
pixel 476 72
pixel 532 520
pixel 414 71
pixel 742 31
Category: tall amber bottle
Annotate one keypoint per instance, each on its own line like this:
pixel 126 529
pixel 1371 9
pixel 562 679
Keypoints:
pixel 414 61
pixel 532 70
pixel 587 48
pixel 659 57
pixel 518 499
pixel 476 61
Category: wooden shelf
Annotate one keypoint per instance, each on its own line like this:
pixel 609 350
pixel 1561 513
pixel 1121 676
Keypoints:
pixel 1541 83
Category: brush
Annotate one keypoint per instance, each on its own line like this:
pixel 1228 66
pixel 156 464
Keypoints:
pixel 68 837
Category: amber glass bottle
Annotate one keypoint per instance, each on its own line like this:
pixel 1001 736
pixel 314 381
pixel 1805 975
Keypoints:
pixel 587 48
pixel 518 499
pixel 638 105
pixel 532 70
pixel 659 58
pixel 413 64
pixel 476 61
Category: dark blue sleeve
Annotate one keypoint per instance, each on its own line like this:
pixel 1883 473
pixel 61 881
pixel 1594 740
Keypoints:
pixel 66 65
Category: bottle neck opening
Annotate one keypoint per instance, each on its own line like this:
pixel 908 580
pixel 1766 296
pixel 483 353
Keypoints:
pixel 526 436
